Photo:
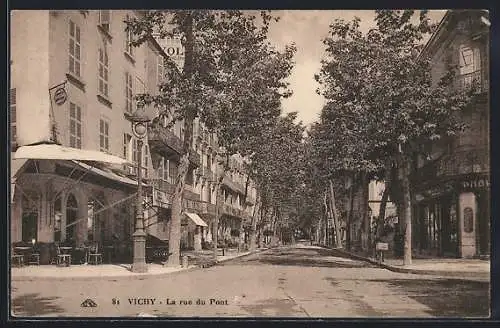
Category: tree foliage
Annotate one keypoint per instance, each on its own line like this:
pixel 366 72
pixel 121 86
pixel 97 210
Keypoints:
pixel 383 103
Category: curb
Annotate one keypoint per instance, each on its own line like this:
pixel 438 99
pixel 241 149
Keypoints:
pixel 131 277
pixel 462 274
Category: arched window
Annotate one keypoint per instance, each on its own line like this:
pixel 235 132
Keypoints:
pixel 30 204
pixel 71 217
pixel 57 219
pixel 96 220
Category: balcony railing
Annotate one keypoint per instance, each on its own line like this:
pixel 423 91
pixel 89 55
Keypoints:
pixel 164 186
pixel 232 211
pixel 463 161
pixel 194 158
pixel 475 79
pixel 460 161
pixel 237 187
pixel 208 174
pixel 207 208
pixel 165 137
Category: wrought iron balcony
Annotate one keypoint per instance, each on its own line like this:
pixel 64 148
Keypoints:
pixel 463 161
pixel 164 186
pixel 208 174
pixel 460 161
pixel 194 158
pixel 234 186
pixel 232 211
pixel 207 208
pixel 475 79
pixel 164 141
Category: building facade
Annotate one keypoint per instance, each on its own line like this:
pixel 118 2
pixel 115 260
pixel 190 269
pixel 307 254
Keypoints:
pixel 91 196
pixel 452 186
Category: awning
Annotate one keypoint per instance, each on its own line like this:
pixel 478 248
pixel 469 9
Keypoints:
pixel 107 174
pixel 196 219
pixel 15 166
pixel 53 151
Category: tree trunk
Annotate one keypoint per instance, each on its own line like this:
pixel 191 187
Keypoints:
pixel 365 219
pixel 174 238
pixel 175 223
pixel 253 231
pixel 350 215
pixel 407 260
pixel 215 232
pixel 328 215
pixel 383 201
pixel 336 216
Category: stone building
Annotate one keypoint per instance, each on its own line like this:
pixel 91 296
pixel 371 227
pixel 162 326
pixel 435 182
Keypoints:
pixel 452 187
pixel 74 157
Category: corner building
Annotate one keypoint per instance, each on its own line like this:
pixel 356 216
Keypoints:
pixel 76 178
pixel 452 187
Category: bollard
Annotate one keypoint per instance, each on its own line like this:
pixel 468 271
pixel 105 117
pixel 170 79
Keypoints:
pixel 184 261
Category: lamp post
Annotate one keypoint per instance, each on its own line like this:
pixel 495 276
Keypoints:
pixel 139 122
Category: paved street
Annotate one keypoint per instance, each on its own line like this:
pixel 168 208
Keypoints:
pixel 299 281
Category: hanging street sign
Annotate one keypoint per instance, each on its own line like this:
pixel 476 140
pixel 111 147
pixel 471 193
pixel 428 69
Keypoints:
pixel 60 96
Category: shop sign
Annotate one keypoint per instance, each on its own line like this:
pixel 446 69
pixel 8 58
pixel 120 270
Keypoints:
pixel 382 246
pixel 476 183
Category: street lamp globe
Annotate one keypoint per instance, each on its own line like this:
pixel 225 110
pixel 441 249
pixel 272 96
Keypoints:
pixel 139 129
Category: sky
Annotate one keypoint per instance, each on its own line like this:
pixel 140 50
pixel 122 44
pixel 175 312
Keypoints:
pixel 307 28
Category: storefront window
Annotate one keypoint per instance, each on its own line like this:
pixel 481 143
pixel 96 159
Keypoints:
pixel 30 203
pixel 90 221
pixel 57 220
pixel 71 217
pixel 453 223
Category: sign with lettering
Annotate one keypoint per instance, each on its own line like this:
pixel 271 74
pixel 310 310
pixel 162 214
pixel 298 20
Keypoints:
pixel 382 246
pixel 475 183
pixel 175 50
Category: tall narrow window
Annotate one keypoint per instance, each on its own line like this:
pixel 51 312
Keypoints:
pixel 128 93
pixel 71 217
pixel 126 145
pixel 103 72
pixel 466 60
pixel 135 151
pixel 30 208
pixel 74 49
pixel 129 49
pixel 172 171
pixel 105 19
pixel 75 126
pixel 104 135
pixel 164 175
pixel 13 124
pixel 470 66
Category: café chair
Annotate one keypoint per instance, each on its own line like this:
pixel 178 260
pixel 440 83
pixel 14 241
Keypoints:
pixel 62 259
pixel 17 259
pixel 94 255
pixel 34 258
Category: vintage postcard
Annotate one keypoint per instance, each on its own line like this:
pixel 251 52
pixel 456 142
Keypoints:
pixel 244 163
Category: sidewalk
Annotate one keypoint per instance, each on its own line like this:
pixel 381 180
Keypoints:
pixel 450 267
pixel 88 272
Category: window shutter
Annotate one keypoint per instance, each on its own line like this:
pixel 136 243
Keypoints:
pixel 12 95
pixel 477 60
pixel 105 19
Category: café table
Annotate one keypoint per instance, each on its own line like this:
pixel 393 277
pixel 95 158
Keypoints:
pixel 23 250
pixel 65 250
pixel 85 250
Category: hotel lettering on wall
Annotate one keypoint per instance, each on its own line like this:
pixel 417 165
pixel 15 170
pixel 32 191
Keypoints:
pixel 475 183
